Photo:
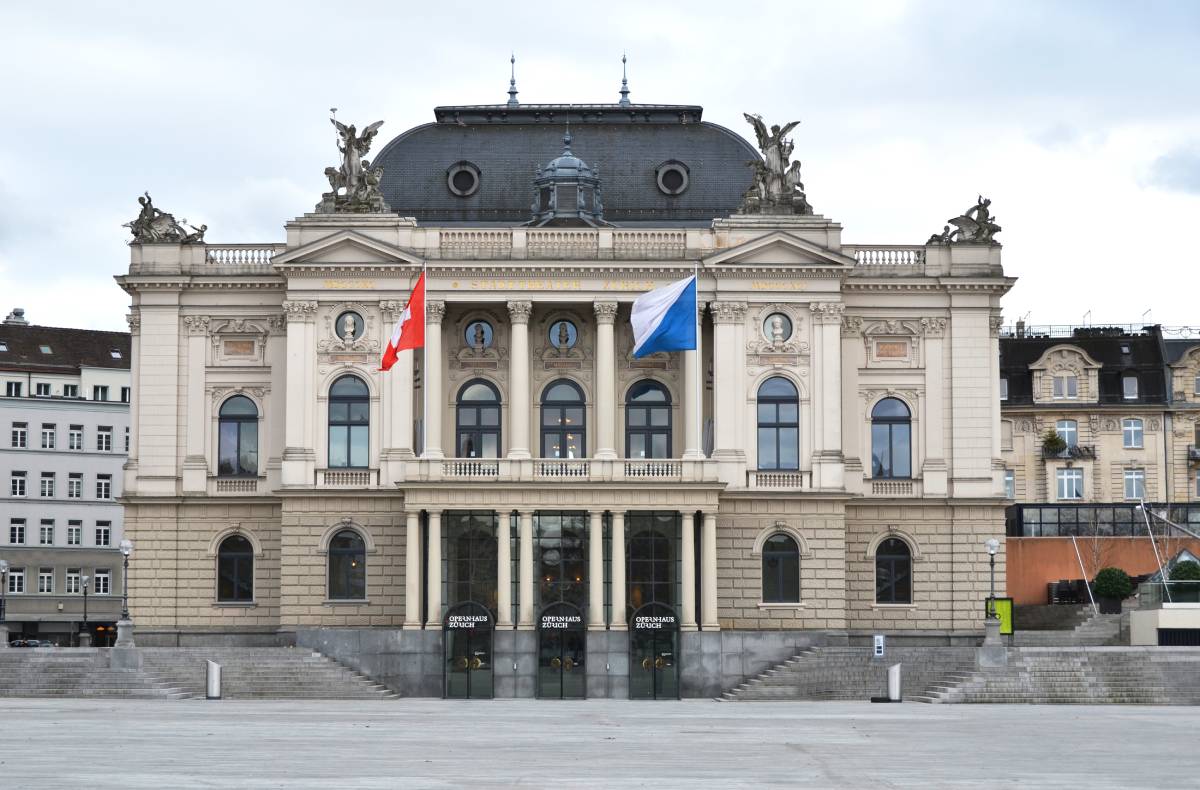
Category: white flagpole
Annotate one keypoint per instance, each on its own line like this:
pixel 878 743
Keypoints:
pixel 425 364
pixel 699 368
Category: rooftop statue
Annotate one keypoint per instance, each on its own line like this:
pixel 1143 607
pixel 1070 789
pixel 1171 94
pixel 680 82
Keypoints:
pixel 355 175
pixel 153 226
pixel 777 188
pixel 977 226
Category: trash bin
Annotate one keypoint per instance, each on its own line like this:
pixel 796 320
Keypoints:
pixel 894 682
pixel 213 684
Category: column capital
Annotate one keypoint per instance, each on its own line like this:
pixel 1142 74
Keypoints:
pixel 196 324
pixel 519 311
pixel 435 311
pixel 728 312
pixel 606 312
pixel 852 326
pixel 391 308
pixel 934 326
pixel 134 319
pixel 302 311
pixel 827 312
pixel 995 321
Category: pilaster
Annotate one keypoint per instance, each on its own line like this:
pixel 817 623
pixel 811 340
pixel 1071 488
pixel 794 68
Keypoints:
pixel 828 462
pixel 518 380
pixel 195 465
pixel 299 456
pixel 606 381
pixel 595 614
pixel 729 401
pixel 435 311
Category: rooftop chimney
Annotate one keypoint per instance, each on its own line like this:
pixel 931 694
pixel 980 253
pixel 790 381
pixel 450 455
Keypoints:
pixel 17 316
pixel 1020 327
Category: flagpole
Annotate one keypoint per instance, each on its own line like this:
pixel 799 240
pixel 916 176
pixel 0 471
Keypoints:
pixel 425 364
pixel 699 384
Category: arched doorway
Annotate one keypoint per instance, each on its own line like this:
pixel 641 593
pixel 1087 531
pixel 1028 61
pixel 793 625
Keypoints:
pixel 467 660
pixel 654 653
pixel 562 643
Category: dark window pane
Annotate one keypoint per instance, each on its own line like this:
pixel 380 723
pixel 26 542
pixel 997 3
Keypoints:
pixel 466 415
pixel 227 449
pixel 360 412
pixel 767 454
pixel 659 446
pixel 637 416
pixel 339 412
pixel 637 446
pixel 789 412
pixel 358 445
pixel 901 452
pixel 660 417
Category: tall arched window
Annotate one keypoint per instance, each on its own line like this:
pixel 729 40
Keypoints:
pixel 891 439
pixel 563 433
pixel 349 422
pixel 478 420
pixel 893 572
pixel 347 566
pixel 648 421
pixel 780 570
pixel 235 570
pixel 237 438
pixel 778 425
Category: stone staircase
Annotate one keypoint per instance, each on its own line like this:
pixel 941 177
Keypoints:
pixel 1096 630
pixel 853 673
pixel 75 672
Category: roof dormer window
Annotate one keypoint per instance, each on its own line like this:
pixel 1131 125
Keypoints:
pixel 115 352
pixel 45 349
pixel 1066 387
pixel 3 345
pixel 1129 386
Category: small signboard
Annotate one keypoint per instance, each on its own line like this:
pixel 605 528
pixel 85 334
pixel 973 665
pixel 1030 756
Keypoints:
pixel 654 622
pixel 561 621
pixel 1001 608
pixel 460 622
pixel 880 641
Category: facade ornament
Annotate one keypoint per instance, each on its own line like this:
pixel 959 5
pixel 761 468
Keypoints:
pixel 391 309
pixel 134 319
pixel 519 312
pixel 276 323
pixel 852 326
pixel 777 188
pixel 933 326
pixel 977 226
pixel 435 311
pixel 730 313
pixel 196 324
pixel 1153 424
pixel 349 327
pixel 827 312
pixel 355 175
pixel 606 312
pixel 302 310
pixel 153 226
pixel 995 321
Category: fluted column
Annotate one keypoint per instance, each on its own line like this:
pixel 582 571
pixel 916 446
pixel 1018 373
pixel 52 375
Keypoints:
pixel 687 575
pixel 503 573
pixel 434 593
pixel 195 465
pixel 729 397
pixel 525 606
pixel 606 380
pixel 708 584
pixel 693 402
pixel 828 464
pixel 616 621
pixel 518 380
pixel 412 570
pixel 595 616
pixel 435 310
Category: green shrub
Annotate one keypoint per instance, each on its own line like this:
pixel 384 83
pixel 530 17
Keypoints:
pixel 1052 443
pixel 1112 583
pixel 1186 571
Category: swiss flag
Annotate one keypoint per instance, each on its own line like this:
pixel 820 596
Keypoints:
pixel 409 331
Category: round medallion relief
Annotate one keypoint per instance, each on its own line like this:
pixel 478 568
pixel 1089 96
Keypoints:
pixel 777 328
pixel 563 334
pixel 349 326
pixel 478 334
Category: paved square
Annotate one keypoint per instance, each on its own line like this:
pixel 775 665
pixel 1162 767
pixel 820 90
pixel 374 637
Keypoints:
pixel 602 743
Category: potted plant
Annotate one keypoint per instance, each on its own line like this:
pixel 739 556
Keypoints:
pixel 1112 585
pixel 1186 582
pixel 1052 444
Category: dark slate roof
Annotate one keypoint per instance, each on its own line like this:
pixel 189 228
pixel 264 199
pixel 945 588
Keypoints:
pixel 626 145
pixel 70 349
pixel 1176 348
pixel 1144 359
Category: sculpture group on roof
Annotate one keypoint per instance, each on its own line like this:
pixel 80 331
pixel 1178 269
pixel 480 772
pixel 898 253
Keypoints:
pixel 777 188
pixel 355 175
pixel 153 226
pixel 977 226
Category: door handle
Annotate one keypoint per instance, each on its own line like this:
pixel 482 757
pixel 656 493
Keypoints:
pixel 476 663
pixel 555 662
pixel 647 664
pixel 460 662
pixel 568 664
pixel 660 662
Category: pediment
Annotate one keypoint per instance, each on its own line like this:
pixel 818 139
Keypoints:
pixel 1065 356
pixel 780 249
pixel 350 248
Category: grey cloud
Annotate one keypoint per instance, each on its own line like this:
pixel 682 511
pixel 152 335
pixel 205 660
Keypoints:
pixel 1178 171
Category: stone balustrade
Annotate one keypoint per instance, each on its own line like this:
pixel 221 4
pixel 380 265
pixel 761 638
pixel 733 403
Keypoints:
pixel 241 254
pixel 886 254
pixel 893 488
pixel 778 480
pixel 221 486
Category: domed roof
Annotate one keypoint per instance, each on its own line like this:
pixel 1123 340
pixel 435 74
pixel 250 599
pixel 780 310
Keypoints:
pixel 567 164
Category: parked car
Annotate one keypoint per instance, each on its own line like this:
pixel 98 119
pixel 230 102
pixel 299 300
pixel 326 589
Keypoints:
pixel 31 643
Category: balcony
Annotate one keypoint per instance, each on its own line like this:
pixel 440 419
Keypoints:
pixel 347 478
pixel 894 488
pixel 1078 452
pixel 224 486
pixel 778 480
pixel 566 470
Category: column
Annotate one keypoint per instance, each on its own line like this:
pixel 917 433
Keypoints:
pixel 708 584
pixel 617 621
pixel 195 465
pixel 129 484
pixel 435 310
pixel 687 576
pixel 606 380
pixel 412 570
pixel 518 380
pixel 299 459
pixel 503 572
pixel 729 389
pixel 525 603
pixel 693 403
pixel 828 464
pixel 595 617
pixel 434 592
pixel 933 470
pixel 398 391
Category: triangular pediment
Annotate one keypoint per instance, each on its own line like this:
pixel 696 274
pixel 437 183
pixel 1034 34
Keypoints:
pixel 780 249
pixel 348 247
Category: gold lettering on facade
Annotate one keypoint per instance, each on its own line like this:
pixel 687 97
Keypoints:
pixel 777 285
pixel 350 285
pixel 629 285
pixel 526 285
pixel 891 349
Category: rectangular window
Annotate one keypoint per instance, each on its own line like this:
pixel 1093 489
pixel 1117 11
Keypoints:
pixel 1069 431
pixel 103 582
pixel 1010 484
pixel 1129 387
pixel 49 435
pixel 1196 385
pixel 100 392
pixel 42 389
pixel 124 394
pixel 16 581
pixel 16 485
pixel 16 532
pixel 1135 483
pixel 45 580
pixel 70 390
pixel 20 435
pixel 126 438
pixel 73 586
pixel 46 533
pixel 104 438
pixel 1003 388
pixel 74 533
pixel 1131 430
pixel 75 486
pixel 103 533
pixel 47 489
pixel 1066 387
pixel 12 389
pixel 1070 483
pixel 75 438
pixel 103 486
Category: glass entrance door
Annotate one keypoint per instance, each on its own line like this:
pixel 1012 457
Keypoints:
pixel 562 642
pixel 467 640
pixel 654 653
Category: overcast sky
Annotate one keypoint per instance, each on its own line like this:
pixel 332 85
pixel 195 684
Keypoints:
pixel 1081 121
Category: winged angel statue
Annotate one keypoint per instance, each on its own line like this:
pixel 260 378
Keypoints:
pixel 977 226
pixel 777 188
pixel 154 226
pixel 355 175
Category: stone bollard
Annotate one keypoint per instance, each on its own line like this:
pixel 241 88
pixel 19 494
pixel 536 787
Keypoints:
pixel 3 636
pixel 992 654
pixel 85 639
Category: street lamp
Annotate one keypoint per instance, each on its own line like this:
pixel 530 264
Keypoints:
pixel 993 546
pixel 125 624
pixel 85 635
pixel 3 587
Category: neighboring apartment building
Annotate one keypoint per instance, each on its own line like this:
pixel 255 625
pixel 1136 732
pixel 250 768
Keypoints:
pixel 64 417
pixel 1123 401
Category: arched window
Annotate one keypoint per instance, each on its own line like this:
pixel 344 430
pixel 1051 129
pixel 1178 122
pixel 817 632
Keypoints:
pixel 349 421
pixel 780 570
pixel 347 567
pixel 778 425
pixel 235 570
pixel 893 572
pixel 478 420
pixel 648 421
pixel 891 439
pixel 237 438
pixel 563 433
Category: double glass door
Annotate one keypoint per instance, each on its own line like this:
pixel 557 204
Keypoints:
pixel 468 652
pixel 654 653
pixel 562 642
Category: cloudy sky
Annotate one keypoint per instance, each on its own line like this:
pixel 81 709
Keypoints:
pixel 1080 120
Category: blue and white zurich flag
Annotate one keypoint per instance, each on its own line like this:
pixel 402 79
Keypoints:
pixel 665 319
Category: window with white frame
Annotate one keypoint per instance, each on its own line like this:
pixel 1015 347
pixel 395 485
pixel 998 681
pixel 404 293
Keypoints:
pixel 72 579
pixel 45 580
pixel 20 435
pixel 46 532
pixel 100 392
pixel 47 489
pixel 1070 483
pixel 1010 484
pixel 102 584
pixel 1003 388
pixel 70 390
pixel 16 531
pixel 1135 483
pixel 1069 431
pixel 75 485
pixel 103 486
pixel 1066 386
pixel 49 435
pixel 16 484
pixel 75 438
pixel 74 533
pixel 103 533
pixel 12 389
pixel 1129 386
pixel 1131 431
pixel 42 389
pixel 104 438
pixel 16 581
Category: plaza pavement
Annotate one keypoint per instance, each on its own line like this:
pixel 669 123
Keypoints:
pixel 419 743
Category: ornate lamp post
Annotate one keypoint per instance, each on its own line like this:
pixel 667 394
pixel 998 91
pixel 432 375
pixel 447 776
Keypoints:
pixel 993 546
pixel 3 589
pixel 125 624
pixel 85 634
